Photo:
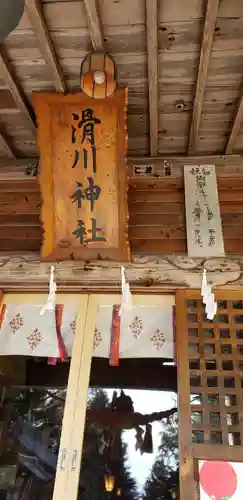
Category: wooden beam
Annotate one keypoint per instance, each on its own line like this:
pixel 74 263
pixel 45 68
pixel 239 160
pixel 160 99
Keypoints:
pixel 226 166
pixel 17 169
pixel 94 23
pixel 152 45
pixel 130 374
pixel 15 89
pixel 146 274
pixel 7 146
pixel 34 12
pixel 235 127
pixel 209 27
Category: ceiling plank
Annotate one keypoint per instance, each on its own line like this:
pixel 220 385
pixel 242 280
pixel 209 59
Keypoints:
pixel 235 128
pixel 152 46
pixel 208 32
pixel 94 23
pixel 15 89
pixel 34 12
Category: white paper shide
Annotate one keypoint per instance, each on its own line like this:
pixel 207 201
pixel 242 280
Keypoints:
pixel 208 298
pixel 203 221
pixel 126 304
pixel 51 299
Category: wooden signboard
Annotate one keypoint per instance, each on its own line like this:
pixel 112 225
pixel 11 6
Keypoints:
pixel 83 176
pixel 203 221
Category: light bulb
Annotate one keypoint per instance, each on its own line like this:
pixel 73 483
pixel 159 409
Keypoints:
pixel 99 77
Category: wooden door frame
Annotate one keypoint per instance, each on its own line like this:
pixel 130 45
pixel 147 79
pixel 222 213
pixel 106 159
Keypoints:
pixel 186 462
pixel 190 453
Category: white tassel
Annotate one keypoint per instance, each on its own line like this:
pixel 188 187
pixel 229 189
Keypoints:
pixel 208 298
pixel 51 300
pixel 126 304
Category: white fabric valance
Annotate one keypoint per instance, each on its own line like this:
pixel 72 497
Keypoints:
pixel 68 327
pixel 25 332
pixel 145 331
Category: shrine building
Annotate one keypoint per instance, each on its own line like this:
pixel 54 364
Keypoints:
pixel 121 249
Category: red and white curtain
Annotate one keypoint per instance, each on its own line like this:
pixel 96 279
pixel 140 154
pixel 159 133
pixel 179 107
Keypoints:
pixel 24 331
pixel 145 331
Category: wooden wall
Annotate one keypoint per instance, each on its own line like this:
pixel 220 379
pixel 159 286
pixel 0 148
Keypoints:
pixel 20 227
pixel 156 205
pixel 157 215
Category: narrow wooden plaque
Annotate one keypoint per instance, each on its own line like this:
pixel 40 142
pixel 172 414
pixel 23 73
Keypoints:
pixel 203 221
pixel 83 176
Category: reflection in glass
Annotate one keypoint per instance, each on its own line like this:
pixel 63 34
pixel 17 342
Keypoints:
pixel 130 451
pixel 30 441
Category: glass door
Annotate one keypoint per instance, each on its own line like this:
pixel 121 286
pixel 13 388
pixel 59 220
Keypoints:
pixel 100 308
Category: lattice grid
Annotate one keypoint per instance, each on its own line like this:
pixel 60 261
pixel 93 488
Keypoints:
pixel 215 352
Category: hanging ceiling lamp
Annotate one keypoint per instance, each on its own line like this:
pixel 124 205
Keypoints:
pixel 98 75
pixel 11 12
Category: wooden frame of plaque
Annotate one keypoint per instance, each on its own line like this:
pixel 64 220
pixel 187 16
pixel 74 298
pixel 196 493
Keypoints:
pixel 83 176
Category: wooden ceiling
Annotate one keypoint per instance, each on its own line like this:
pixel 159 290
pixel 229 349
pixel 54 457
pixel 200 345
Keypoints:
pixel 181 61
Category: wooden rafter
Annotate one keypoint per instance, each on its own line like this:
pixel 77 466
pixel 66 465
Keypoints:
pixel 94 22
pixel 7 146
pixel 209 26
pixel 152 44
pixel 34 12
pixel 15 89
pixel 235 128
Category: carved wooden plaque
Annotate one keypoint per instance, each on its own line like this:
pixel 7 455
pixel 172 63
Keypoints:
pixel 83 176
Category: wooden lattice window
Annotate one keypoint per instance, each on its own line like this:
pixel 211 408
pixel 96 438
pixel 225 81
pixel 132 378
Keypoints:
pixel 210 381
